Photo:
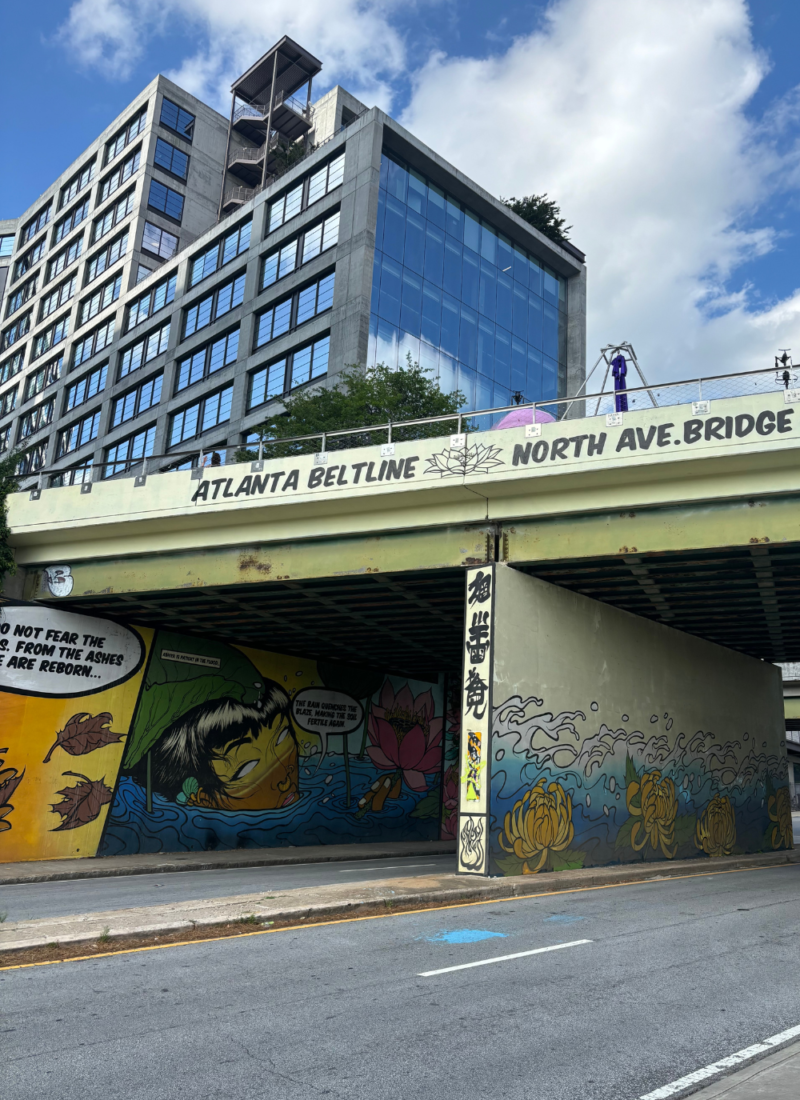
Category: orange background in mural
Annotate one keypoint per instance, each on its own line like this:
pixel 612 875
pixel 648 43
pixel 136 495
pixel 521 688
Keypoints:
pixel 28 729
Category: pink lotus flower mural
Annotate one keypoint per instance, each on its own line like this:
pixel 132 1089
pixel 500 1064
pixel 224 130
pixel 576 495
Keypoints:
pixel 405 735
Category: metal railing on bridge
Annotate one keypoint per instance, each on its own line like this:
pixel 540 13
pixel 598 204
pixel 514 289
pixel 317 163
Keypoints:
pixel 466 422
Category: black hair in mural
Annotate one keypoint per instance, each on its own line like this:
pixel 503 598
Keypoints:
pixel 187 747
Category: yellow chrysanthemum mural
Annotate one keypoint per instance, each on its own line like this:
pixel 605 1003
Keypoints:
pixel 652 799
pixel 715 833
pixel 540 823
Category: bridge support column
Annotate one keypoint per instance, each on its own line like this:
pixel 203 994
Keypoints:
pixel 592 736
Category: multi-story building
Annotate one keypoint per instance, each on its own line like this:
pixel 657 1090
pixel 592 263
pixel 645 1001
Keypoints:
pixel 187 272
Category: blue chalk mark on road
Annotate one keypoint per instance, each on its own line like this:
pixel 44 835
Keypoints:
pixel 562 918
pixel 464 935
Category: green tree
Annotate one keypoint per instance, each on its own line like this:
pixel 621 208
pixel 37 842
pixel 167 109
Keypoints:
pixel 358 399
pixel 542 213
pixel 9 483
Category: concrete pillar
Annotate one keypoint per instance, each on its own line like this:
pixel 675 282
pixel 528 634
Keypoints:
pixel 613 739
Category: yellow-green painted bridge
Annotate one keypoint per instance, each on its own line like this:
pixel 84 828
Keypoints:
pixel 687 517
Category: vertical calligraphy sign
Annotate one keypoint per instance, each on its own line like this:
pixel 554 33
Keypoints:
pixel 476 719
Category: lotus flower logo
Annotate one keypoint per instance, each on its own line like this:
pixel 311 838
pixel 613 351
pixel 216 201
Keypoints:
pixel 715 833
pixel 480 458
pixel 540 823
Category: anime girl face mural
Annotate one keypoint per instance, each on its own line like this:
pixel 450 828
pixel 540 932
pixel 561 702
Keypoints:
pixel 230 755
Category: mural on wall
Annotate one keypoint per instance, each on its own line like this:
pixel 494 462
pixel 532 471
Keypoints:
pixel 576 789
pixel 129 740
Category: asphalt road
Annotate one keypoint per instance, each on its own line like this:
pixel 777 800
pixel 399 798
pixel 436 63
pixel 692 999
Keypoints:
pixel 678 974
pixel 57 899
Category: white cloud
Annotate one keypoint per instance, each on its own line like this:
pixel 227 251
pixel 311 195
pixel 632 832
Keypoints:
pixel 632 115
pixel 353 38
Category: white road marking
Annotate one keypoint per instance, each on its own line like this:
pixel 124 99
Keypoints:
pixel 502 958
pixel 730 1062
pixel 391 867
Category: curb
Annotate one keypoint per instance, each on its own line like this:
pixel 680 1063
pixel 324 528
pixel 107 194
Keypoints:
pixel 12 874
pixel 448 890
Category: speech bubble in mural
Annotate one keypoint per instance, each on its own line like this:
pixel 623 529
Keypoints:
pixel 319 710
pixel 49 652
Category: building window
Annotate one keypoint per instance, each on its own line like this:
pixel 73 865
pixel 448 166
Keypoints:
pixel 6 245
pixel 300 366
pixel 31 257
pixel 113 216
pixel 75 475
pixel 57 297
pixel 64 258
pixel 306 193
pixel 21 296
pixel 5 436
pixel 33 460
pixel 80 433
pixel 129 452
pixel 92 343
pixel 20 328
pixel 76 185
pixel 8 402
pixel 126 135
pixel 86 388
pixel 165 200
pixel 295 310
pixel 120 175
pixel 162 294
pixel 144 350
pixel 171 159
pixel 66 224
pixel 214 305
pixel 12 365
pixel 220 253
pixel 207 413
pixel 307 246
pixel 36 419
pixel 159 241
pixel 175 118
pixel 100 300
pixel 136 401
pixel 49 337
pixel 207 360
pixel 107 256
pixel 43 378
pixel 31 228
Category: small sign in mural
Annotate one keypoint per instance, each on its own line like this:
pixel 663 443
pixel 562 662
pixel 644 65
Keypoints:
pixel 190 658
pixel 318 710
pixel 44 652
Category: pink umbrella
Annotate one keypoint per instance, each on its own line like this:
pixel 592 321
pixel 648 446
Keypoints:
pixel 518 418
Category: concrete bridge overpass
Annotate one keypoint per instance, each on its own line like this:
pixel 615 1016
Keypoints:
pixel 684 515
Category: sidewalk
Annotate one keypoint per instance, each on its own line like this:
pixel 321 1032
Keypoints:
pixel 776 1077
pixel 346 899
pixel 161 863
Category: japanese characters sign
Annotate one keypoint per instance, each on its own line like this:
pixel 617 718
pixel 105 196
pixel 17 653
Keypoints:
pixel 476 717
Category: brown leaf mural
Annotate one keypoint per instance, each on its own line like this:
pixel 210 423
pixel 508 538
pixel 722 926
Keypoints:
pixel 84 733
pixel 81 803
pixel 10 779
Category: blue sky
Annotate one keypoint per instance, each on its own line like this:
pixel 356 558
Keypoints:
pixel 667 129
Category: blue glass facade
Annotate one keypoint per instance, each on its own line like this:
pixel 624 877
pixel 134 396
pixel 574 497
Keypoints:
pixel 483 314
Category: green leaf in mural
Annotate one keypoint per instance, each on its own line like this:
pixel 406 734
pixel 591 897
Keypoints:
pixel 631 775
pixel 569 860
pixel 624 835
pixel 684 828
pixel 428 806
pixel 174 684
pixel 509 865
